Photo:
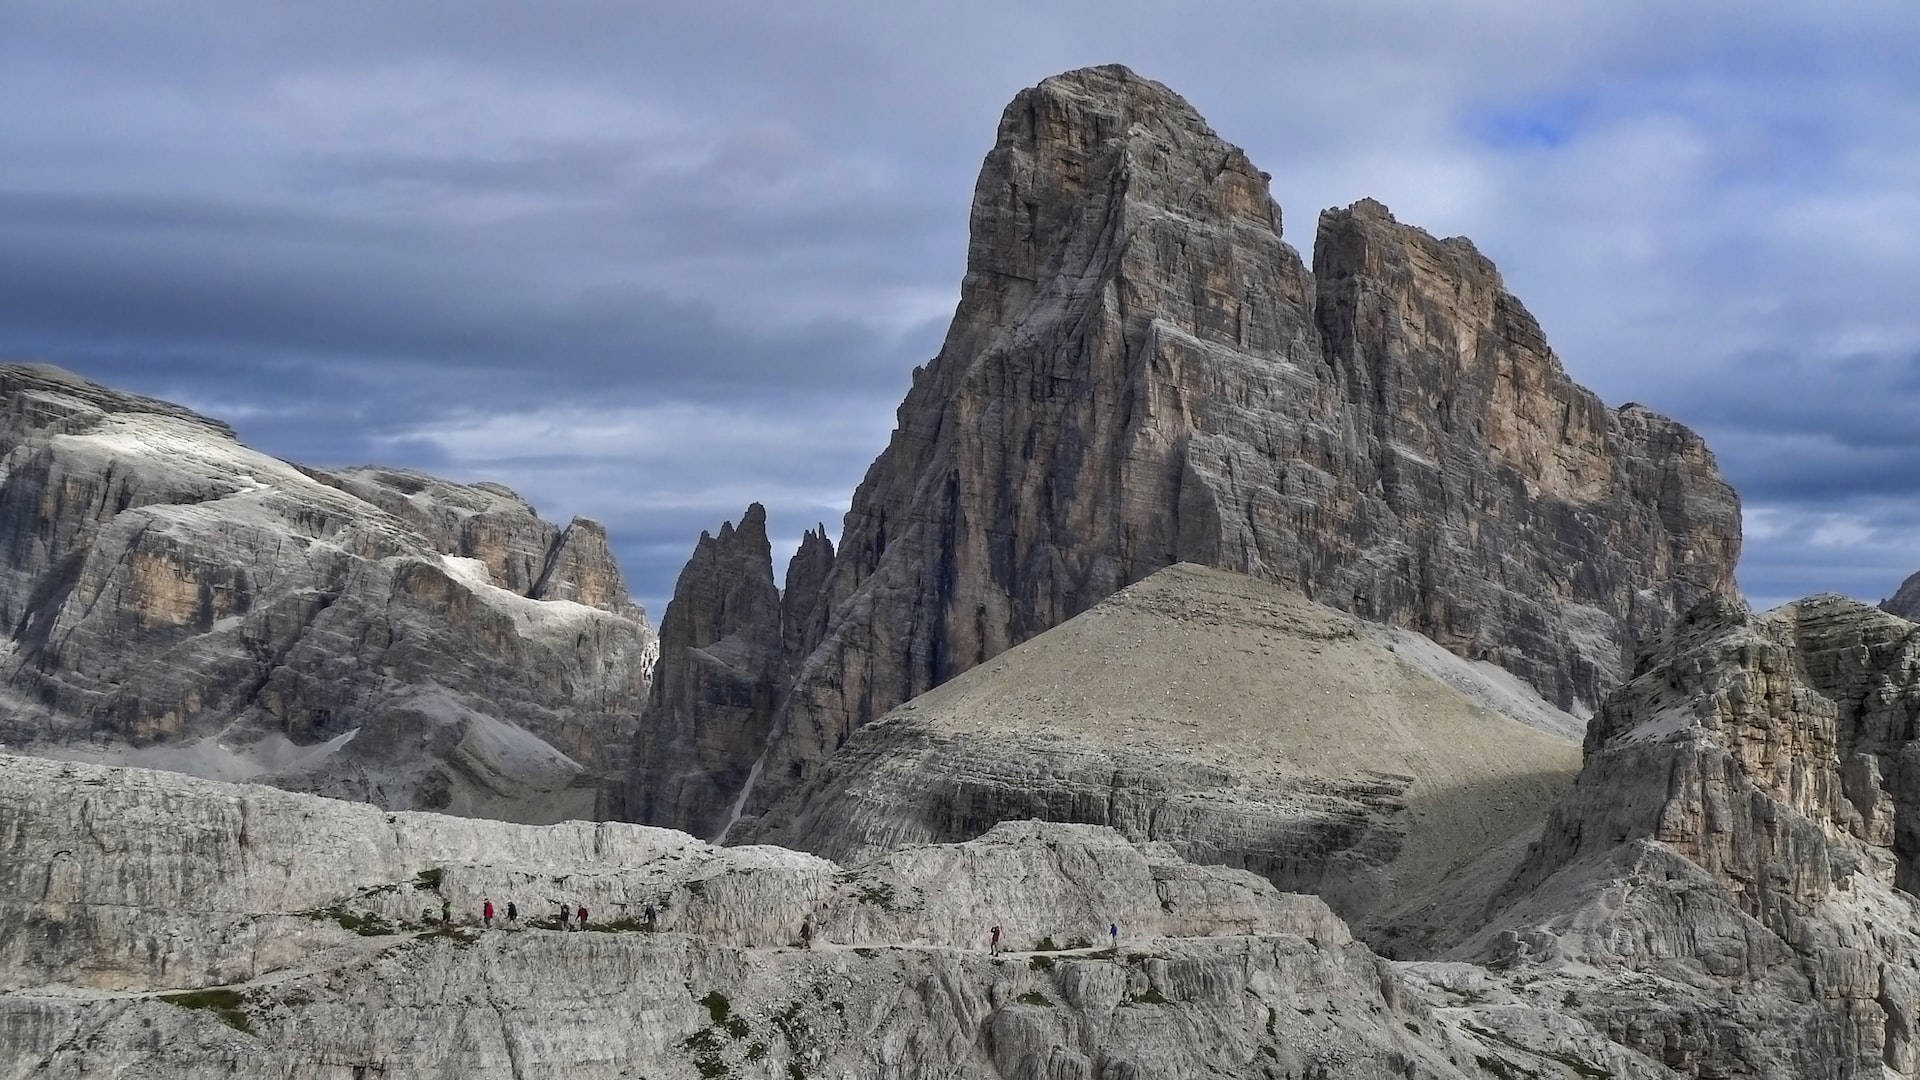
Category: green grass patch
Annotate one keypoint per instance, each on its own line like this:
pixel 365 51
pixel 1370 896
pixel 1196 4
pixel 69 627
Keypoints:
pixel 1580 1066
pixel 364 923
pixel 223 1003
pixel 1496 1067
pixel 718 1007
pixel 703 1041
pixel 1150 996
pixel 1045 944
pixel 459 937
pixel 428 880
pixel 1034 997
pixel 1040 963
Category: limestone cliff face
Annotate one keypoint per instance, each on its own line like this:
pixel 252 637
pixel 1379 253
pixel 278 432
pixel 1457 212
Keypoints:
pixel 171 597
pixel 1141 372
pixel 1740 855
pixel 153 925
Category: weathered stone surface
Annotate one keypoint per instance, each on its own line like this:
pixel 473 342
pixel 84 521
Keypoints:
pixel 1731 884
pixel 300 923
pixel 1142 372
pixel 173 598
pixel 1233 719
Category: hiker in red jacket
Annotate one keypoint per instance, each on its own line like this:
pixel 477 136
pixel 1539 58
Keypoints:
pixel 582 916
pixel 486 914
pixel 994 945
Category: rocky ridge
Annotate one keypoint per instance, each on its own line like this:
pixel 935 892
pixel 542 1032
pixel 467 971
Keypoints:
pixel 156 925
pixel 1731 885
pixel 1238 722
pixel 1142 372
pixel 173 598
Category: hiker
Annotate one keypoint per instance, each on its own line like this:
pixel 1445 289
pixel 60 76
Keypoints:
pixel 486 913
pixel 446 911
pixel 806 933
pixel 513 914
pixel 648 918
pixel 1113 931
pixel 994 945
pixel 581 915
pixel 564 925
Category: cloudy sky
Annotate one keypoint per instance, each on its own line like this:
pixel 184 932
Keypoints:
pixel 650 262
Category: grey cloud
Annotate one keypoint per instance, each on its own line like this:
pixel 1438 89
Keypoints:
pixel 364 229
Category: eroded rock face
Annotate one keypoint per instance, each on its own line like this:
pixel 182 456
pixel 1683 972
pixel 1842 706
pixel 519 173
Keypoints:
pixel 1739 858
pixel 1238 722
pixel 172 598
pixel 307 932
pixel 1142 372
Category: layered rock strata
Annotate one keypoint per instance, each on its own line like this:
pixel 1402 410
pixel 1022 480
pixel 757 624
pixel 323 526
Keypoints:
pixel 171 597
pixel 1142 372
pixel 1730 887
pixel 1238 722
pixel 155 925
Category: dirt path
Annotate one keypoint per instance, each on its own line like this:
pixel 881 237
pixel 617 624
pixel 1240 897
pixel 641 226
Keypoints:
pixel 345 955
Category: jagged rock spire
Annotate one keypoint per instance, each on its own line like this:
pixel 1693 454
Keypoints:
pixel 717 681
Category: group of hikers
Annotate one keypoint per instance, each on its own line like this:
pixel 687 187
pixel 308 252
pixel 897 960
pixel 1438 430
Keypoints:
pixel 568 919
pixel 578 919
pixel 993 937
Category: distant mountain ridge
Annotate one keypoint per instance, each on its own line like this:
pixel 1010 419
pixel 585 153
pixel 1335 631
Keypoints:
pixel 170 597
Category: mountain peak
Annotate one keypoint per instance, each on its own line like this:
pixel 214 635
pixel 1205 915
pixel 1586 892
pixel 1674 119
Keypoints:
pixel 1142 372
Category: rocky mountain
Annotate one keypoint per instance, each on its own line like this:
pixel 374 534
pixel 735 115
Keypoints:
pixel 170 597
pixel 1241 724
pixel 1141 371
pixel 155 925
pixel 1726 890
pixel 1731 884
